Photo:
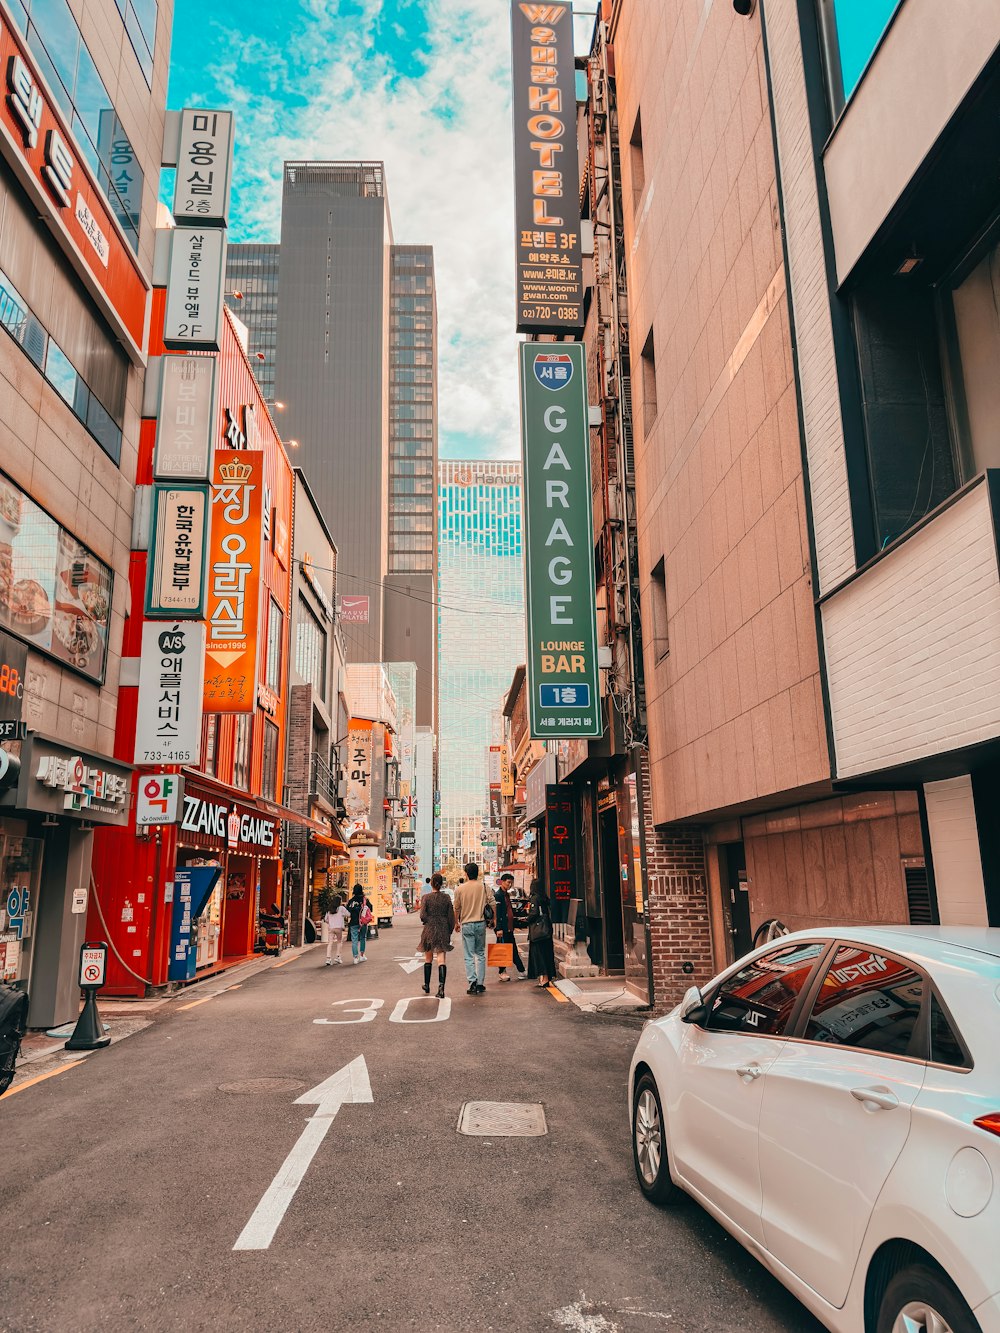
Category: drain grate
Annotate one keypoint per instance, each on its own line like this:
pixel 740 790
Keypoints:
pixel 503 1120
pixel 252 1085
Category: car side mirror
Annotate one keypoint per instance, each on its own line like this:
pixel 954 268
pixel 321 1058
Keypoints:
pixel 693 1007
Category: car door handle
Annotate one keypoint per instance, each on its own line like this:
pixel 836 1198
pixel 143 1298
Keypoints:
pixel 879 1097
pixel 750 1071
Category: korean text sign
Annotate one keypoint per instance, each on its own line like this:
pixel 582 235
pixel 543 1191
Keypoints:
pixel 176 583
pixel 563 693
pixel 232 606
pixel 193 317
pixel 358 793
pixel 547 244
pixel 171 676
pixel 204 167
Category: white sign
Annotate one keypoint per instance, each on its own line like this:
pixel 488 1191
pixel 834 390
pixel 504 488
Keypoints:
pixel 177 559
pixel 91 229
pixel 195 280
pixel 84 786
pixel 204 167
pixel 350 1084
pixel 171 681
pixel 185 419
pixel 79 903
pixel 158 799
pixel 92 963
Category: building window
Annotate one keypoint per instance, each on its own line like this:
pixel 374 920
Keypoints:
pixel 852 29
pixel 972 336
pixel 636 164
pixel 241 751
pixel 649 408
pixel 310 649
pixel 275 634
pixel 658 602
pixel 269 773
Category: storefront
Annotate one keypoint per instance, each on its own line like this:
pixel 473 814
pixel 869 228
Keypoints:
pixel 47 819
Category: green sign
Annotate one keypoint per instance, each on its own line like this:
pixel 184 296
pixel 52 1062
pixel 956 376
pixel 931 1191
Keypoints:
pixel 563 695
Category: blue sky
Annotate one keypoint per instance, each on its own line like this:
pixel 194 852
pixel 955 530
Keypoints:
pixel 423 85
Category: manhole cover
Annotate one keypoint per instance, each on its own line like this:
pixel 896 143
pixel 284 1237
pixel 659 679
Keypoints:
pixel 503 1120
pixel 251 1085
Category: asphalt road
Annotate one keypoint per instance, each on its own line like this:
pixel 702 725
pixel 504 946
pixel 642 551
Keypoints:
pixel 127 1180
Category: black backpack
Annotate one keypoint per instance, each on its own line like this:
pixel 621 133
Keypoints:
pixel 13 1025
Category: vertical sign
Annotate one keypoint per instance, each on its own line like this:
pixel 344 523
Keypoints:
pixel 204 167
pixel 546 170
pixel 171 677
pixel 234 582
pixel 185 417
pixel 176 583
pixel 13 664
pixel 358 796
pixel 506 771
pixel 195 279
pixel 563 696
pixel 560 849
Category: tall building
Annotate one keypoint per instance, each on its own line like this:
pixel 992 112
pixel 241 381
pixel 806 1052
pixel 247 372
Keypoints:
pixel 252 296
pixel 411 583
pixel 346 342
pixel 82 129
pixel 480 635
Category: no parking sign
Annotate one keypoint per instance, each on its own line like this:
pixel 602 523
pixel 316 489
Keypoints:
pixel 93 965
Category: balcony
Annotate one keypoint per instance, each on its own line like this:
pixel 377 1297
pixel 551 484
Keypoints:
pixel 323 781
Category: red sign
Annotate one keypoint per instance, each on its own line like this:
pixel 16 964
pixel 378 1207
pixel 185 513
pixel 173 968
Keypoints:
pixel 560 842
pixel 43 153
pixel 354 609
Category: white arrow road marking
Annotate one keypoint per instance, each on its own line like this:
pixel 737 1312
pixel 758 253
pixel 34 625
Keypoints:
pixel 350 1084
pixel 410 964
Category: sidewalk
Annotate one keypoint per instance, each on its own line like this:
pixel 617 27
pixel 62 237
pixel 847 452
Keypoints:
pixel 605 995
pixel 44 1054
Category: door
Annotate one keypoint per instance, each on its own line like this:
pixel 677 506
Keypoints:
pixel 722 1072
pixel 737 889
pixel 836 1113
pixel 611 885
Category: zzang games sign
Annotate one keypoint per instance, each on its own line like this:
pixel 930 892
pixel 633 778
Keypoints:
pixel 563 694
pixel 548 251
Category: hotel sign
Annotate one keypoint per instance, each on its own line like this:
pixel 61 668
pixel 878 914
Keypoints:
pixel 563 694
pixel 548 250
pixel 195 280
pixel 234 582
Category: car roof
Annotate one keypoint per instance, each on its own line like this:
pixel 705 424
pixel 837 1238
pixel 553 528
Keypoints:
pixel 929 940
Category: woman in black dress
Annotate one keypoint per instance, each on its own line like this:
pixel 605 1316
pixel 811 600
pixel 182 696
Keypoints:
pixel 438 915
pixel 541 956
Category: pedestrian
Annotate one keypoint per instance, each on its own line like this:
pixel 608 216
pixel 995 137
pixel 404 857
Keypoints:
pixel 474 911
pixel 505 925
pixel 541 955
pixel 359 914
pixel 438 916
pixel 336 921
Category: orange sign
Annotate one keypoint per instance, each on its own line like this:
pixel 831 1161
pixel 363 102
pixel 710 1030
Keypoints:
pixel 37 142
pixel 232 607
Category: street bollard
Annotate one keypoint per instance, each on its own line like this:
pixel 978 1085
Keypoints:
pixel 89 1034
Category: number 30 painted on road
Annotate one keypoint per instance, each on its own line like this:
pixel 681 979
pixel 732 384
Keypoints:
pixel 368 1009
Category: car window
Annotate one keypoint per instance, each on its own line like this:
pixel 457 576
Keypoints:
pixel 868 1000
pixel 760 997
pixel 946 1049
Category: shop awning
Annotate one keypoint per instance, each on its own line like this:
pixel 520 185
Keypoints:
pixel 319 831
pixel 324 840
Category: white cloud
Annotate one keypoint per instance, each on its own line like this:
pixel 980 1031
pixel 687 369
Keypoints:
pixel 445 137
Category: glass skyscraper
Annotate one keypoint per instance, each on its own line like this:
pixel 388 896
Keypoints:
pixel 480 635
pixel 252 271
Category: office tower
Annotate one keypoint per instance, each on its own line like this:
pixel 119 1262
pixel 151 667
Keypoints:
pixel 252 296
pixel 480 634
pixel 411 586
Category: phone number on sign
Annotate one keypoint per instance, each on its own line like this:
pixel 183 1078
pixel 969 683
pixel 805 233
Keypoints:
pixel 167 757
pixel 565 722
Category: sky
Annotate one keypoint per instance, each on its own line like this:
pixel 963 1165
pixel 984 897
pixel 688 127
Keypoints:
pixel 423 85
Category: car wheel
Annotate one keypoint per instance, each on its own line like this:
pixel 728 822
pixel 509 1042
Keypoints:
pixel 649 1144
pixel 920 1300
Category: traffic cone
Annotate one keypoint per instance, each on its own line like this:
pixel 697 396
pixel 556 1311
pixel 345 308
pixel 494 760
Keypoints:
pixel 89 1034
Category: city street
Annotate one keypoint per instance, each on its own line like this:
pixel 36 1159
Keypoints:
pixel 129 1178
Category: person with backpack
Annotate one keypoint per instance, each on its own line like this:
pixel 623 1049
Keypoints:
pixel 359 912
pixel 541 955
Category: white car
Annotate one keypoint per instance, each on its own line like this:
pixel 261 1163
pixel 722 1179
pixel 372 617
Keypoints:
pixel 833 1099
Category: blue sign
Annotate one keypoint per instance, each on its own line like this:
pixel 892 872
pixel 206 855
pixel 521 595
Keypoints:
pixel 564 696
pixel 193 887
pixel 553 370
